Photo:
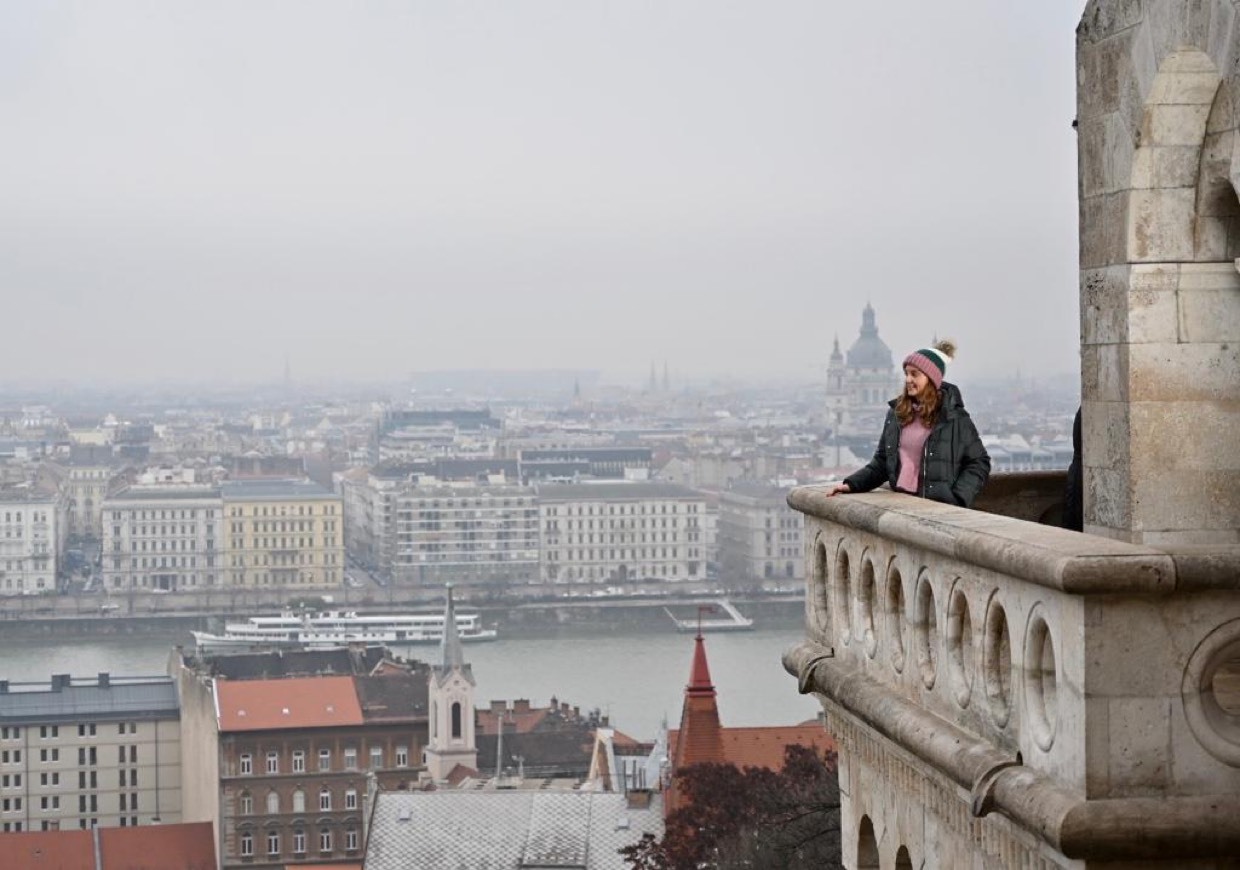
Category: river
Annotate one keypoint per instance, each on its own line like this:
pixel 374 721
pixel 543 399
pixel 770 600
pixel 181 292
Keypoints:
pixel 636 677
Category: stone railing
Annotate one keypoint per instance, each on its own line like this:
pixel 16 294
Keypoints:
pixel 1064 681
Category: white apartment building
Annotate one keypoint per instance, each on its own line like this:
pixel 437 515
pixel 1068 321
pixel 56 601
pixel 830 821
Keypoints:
pixel 622 532
pixel 465 534
pixel 104 752
pixel 32 529
pixel 165 537
pixel 761 540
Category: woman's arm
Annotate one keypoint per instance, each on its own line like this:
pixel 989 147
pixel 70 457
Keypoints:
pixel 974 469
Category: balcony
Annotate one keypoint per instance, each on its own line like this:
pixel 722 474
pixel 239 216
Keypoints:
pixel 1047 695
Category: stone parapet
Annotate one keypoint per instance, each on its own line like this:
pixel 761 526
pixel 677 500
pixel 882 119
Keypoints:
pixel 1072 684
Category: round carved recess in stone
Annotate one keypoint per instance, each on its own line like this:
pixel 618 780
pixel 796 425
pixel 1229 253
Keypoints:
pixel 819 599
pixel 926 630
pixel 997 662
pixel 843 594
pixel 867 603
pixel 894 611
pixel 1211 693
pixel 1041 681
pixel 960 655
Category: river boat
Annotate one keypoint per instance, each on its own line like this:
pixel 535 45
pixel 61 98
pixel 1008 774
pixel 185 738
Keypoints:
pixel 732 620
pixel 339 628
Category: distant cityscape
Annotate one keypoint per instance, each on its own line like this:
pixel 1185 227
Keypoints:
pixel 604 491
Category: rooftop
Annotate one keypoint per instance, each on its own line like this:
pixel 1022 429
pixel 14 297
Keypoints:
pixel 104 697
pixel 273 490
pixel 613 491
pixel 296 702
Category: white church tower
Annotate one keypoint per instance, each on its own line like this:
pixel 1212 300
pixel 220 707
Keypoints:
pixel 451 697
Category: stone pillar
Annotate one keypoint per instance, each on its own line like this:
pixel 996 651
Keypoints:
pixel 1157 109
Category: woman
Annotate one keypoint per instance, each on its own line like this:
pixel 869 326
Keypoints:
pixel 929 446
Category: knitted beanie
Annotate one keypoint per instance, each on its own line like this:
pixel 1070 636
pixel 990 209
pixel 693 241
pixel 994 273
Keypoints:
pixel 932 361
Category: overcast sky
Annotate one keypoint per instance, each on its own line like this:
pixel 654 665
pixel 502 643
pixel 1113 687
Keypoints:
pixel 192 190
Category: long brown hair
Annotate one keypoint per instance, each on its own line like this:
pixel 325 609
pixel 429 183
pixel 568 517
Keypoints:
pixel 927 406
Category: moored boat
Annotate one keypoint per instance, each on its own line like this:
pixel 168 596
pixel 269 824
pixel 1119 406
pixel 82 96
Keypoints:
pixel 339 628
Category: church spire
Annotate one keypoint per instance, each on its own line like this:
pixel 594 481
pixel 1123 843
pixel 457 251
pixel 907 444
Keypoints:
pixel 451 654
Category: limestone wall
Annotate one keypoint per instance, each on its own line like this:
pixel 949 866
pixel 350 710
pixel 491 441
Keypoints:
pixel 1158 100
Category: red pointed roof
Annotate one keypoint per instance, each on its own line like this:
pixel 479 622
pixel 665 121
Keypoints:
pixel 699 676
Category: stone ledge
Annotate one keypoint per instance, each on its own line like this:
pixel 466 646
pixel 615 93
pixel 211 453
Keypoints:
pixel 1056 558
pixel 1106 829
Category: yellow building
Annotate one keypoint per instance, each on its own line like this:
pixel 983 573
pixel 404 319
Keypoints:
pixel 282 533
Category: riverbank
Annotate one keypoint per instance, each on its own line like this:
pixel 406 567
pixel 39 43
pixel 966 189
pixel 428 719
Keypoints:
pixel 515 619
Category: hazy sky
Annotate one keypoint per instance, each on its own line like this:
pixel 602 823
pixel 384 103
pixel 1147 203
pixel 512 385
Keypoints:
pixel 201 189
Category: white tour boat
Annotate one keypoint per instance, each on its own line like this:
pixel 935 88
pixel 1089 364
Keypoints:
pixel 339 628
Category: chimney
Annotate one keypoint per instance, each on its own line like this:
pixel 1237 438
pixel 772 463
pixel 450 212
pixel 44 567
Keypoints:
pixel 638 799
pixel 60 681
pixel 498 707
pixel 105 679
pixel 521 705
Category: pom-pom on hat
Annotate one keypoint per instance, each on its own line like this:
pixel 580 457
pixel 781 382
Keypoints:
pixel 932 361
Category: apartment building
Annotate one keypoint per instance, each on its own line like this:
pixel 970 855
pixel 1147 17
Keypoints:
pixel 282 533
pixel 761 540
pixel 32 531
pixel 282 765
pixel 164 537
pixel 104 752
pixel 598 532
pixel 91 472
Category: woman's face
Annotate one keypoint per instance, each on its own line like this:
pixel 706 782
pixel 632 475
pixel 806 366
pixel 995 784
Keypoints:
pixel 915 381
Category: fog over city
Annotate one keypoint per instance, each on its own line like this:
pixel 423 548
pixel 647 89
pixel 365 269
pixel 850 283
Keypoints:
pixel 210 191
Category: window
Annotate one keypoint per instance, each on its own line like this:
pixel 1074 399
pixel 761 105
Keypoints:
pixel 402 756
pixel 273 762
pixel 325 800
pixel 273 843
pixel 247 844
pixel 247 763
pixel 299 761
pixel 376 757
pixel 350 840
pixel 325 759
pixel 350 799
pixel 325 840
pixel 299 801
pixel 350 758
pixel 273 803
pixel 246 804
pixel 456 720
pixel 299 842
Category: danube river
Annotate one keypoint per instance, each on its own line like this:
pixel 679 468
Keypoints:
pixel 636 677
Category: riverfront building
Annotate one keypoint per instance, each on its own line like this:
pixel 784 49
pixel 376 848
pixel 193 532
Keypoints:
pixel 761 539
pixel 163 537
pixel 32 532
pixel 85 753
pixel 622 532
pixel 282 533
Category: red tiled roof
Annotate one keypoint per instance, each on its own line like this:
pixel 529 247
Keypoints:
pixel 189 846
pixel 515 721
pixel 299 702
pixel 48 850
pixel 764 746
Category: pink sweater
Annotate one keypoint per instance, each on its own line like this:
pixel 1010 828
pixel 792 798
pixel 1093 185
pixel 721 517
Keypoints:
pixel 912 441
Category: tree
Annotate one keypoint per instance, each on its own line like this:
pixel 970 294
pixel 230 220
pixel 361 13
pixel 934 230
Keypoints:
pixel 755 818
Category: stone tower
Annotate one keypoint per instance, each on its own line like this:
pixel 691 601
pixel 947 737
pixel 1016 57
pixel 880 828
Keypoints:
pixel 1005 694
pixel 451 700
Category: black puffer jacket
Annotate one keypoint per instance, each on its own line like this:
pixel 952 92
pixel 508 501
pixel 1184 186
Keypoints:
pixel 954 466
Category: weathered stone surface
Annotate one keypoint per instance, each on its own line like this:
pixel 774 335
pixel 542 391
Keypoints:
pixel 1178 372
pixel 1104 222
pixel 1160 224
pixel 1140 737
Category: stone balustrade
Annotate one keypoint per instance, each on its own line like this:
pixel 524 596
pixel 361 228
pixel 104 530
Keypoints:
pixel 1050 690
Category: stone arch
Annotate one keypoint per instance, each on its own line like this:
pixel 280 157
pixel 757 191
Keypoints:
pixel 867 846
